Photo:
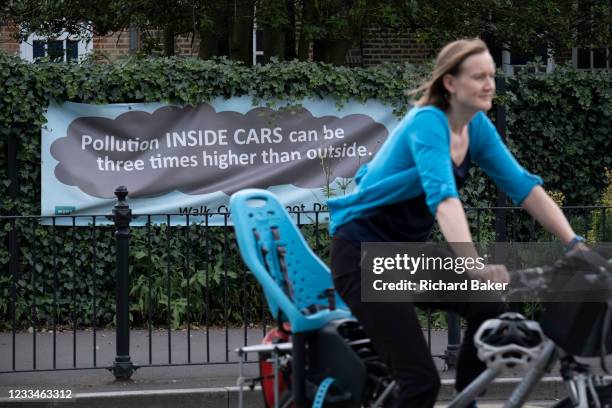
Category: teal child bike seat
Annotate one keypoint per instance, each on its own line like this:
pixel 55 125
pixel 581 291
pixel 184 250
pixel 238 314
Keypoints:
pixel 298 286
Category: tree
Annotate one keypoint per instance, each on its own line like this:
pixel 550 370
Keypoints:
pixel 214 20
pixel 330 27
pixel 81 18
pixel 520 26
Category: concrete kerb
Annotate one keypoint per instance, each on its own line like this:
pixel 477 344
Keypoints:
pixel 550 388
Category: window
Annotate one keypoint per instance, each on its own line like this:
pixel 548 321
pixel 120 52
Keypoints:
pixel 258 54
pixel 60 49
pixel 257 42
pixel 513 63
pixel 591 58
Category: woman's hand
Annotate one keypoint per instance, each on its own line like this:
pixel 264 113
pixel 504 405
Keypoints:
pixel 495 273
pixel 581 246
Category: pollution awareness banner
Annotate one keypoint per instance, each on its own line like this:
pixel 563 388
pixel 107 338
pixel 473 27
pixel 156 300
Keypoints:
pixel 190 159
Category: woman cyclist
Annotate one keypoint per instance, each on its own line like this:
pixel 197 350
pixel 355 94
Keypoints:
pixel 411 183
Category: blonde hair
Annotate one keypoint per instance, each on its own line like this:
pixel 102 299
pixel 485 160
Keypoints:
pixel 448 61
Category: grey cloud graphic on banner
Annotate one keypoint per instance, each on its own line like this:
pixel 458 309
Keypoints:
pixel 196 150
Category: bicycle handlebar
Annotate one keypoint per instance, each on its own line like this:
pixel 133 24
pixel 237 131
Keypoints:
pixel 548 279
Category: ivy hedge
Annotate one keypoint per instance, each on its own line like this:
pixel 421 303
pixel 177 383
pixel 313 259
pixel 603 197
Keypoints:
pixel 558 126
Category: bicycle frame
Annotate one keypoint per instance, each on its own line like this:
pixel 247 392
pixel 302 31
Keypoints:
pixel 579 386
pixel 272 246
pixel 519 396
pixel 578 389
pixel 276 350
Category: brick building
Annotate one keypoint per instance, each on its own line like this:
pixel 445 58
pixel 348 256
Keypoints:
pixel 7 42
pixel 378 46
pixel 112 46
pixel 375 46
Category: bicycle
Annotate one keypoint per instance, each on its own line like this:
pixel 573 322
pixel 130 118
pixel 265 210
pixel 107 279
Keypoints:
pixel 331 362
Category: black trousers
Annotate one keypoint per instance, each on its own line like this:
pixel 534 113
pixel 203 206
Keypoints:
pixel 397 336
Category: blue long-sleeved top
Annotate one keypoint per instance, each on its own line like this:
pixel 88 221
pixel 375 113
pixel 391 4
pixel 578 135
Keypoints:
pixel 416 159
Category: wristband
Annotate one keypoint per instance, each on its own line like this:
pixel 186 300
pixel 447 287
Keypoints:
pixel 570 245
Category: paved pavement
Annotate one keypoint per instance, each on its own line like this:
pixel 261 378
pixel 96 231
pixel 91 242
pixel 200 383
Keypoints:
pixel 155 385
pixel 500 404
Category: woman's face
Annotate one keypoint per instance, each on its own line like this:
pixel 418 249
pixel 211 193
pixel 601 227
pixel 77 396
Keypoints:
pixel 474 85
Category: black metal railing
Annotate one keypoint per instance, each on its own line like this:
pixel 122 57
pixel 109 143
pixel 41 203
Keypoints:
pixel 64 293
